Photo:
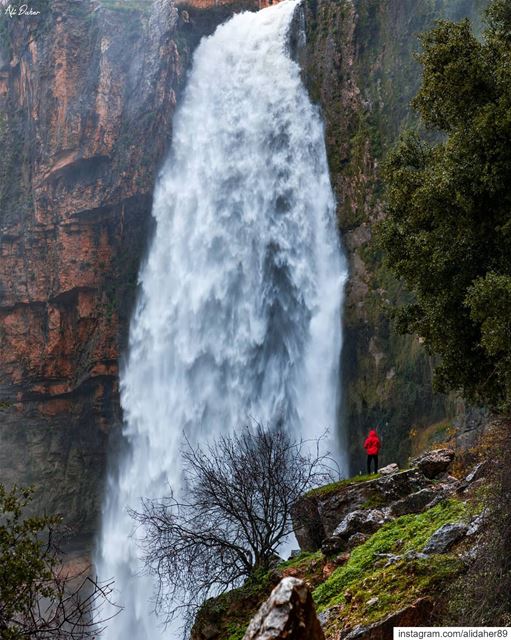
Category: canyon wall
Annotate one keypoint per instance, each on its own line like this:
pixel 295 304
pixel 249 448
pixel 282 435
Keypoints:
pixel 87 95
pixel 359 67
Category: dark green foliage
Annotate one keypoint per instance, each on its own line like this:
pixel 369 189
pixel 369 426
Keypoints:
pixel 448 228
pixel 38 597
pixel 25 562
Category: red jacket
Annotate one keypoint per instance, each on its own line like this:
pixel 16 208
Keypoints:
pixel 372 444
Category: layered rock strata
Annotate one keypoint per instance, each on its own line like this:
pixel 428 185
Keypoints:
pixel 87 95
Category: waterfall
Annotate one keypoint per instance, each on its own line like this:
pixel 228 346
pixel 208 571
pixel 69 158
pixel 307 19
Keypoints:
pixel 239 309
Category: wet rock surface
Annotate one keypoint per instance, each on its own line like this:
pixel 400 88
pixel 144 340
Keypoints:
pixel 443 539
pixel 434 463
pixel 288 613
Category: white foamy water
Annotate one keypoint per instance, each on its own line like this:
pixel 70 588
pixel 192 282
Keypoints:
pixel 239 310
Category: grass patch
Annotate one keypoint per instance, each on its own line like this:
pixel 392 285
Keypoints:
pixel 394 587
pixel 333 487
pixel 407 533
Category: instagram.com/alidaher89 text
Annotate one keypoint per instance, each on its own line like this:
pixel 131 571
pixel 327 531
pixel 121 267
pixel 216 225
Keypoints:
pixel 424 633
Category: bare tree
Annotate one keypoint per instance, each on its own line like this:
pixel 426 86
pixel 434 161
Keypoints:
pixel 230 521
pixel 40 596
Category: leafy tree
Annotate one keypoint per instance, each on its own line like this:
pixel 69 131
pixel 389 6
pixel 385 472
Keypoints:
pixel 447 231
pixel 228 524
pixel 38 597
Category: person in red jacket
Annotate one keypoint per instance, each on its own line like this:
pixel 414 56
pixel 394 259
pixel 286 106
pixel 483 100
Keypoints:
pixel 372 445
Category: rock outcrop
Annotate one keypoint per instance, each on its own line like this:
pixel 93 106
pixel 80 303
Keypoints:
pixel 339 517
pixel 398 576
pixel 434 463
pixel 288 613
pixel 317 516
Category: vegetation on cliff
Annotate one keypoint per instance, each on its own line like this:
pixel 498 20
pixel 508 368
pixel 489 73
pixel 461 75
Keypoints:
pixel 387 582
pixel 447 231
pixel 359 65
pixel 480 596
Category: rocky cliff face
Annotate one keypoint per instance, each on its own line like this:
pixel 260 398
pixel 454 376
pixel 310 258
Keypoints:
pixel 87 95
pixel 359 67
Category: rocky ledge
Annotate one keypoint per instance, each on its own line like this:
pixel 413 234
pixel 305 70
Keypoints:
pixel 376 552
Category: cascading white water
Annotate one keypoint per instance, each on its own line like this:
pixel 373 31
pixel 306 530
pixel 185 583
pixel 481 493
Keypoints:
pixel 239 311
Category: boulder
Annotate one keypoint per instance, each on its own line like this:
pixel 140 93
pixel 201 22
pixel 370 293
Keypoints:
pixel 288 613
pixel 389 469
pixel 414 615
pixel 399 485
pixel 365 521
pixel 444 538
pixel 415 502
pixel 434 463
pixel 360 521
pixel 356 539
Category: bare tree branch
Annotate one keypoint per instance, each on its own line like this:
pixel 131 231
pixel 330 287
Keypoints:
pixel 232 519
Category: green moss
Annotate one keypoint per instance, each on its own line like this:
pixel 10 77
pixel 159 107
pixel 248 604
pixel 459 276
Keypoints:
pixel 236 631
pixel 333 487
pixel 407 533
pixel 396 586
pixel 374 501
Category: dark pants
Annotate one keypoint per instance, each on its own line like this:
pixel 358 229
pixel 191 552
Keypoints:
pixel 370 458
